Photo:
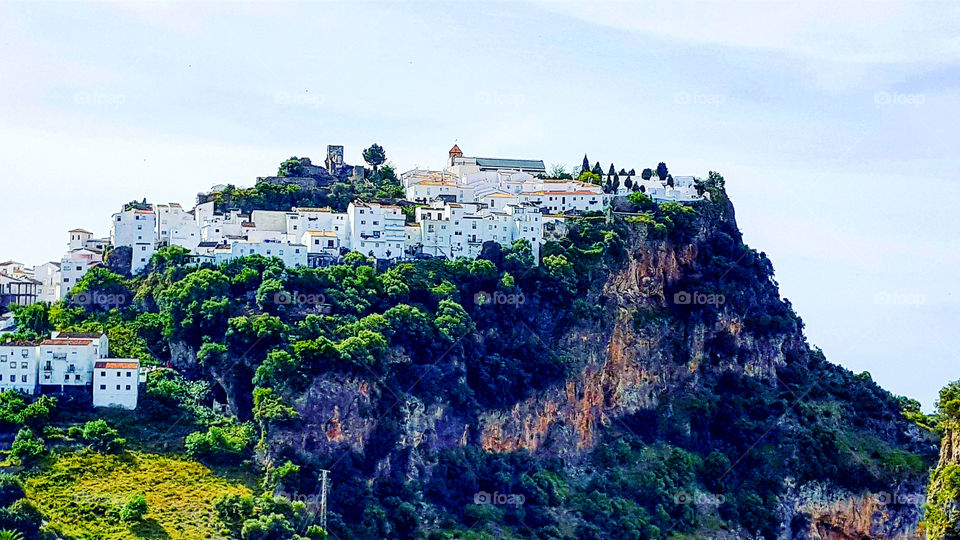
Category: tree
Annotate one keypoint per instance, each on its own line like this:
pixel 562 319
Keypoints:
pixel 646 174
pixel 662 171
pixel 586 164
pixel 597 169
pixel 633 172
pixel 374 156
pixel 628 183
pixel 611 171
pixel 557 170
pixel 27 446
pixel 291 167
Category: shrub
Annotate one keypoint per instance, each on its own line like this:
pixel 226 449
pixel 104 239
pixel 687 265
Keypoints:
pixel 134 509
pixel 27 447
pixel 100 436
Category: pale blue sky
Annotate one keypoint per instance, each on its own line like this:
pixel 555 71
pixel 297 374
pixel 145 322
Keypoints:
pixel 835 125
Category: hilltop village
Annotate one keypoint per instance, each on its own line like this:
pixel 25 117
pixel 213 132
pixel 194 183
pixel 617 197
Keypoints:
pixel 449 213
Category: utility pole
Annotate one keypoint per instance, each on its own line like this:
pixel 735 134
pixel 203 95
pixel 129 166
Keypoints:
pixel 324 487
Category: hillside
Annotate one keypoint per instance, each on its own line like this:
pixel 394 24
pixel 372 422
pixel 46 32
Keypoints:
pixel 645 380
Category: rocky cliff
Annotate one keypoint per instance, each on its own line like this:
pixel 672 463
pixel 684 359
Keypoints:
pixel 687 344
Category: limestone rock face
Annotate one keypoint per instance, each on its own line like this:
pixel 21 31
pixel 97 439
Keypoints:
pixel 626 362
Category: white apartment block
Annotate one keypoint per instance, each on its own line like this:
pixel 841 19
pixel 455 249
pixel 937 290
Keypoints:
pixel 176 227
pixel 116 383
pixel 74 265
pixel 454 230
pixel 17 285
pixel 66 360
pixel 290 254
pixel 18 366
pixel 48 274
pixel 135 228
pixel 376 229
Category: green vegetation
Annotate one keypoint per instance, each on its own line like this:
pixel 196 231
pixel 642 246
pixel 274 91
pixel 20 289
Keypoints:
pixel 405 363
pixel 130 495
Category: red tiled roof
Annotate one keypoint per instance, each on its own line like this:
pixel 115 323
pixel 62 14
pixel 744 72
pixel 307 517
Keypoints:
pixel 116 365
pixel 66 342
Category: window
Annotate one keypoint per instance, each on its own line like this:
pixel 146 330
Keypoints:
pixel 118 374
pixel 25 353
pixel 118 387
pixel 23 365
pixel 103 373
pixel 128 374
pixel 1 377
pixel 13 365
pixel 23 378
pixel 128 387
pixel 103 387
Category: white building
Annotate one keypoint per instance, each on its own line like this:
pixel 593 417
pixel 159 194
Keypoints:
pixel 74 265
pixel 48 274
pixel 454 230
pixel 66 359
pixel 428 190
pixel 176 227
pixel 462 165
pixel 18 366
pixel 17 285
pixel 562 202
pixel 322 242
pixel 116 383
pixel 290 254
pixel 135 228
pixel 376 230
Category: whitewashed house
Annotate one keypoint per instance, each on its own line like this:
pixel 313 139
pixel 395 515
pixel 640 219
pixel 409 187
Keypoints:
pixel 67 359
pixel 135 228
pixel 48 274
pixel 454 230
pixel 290 254
pixel 322 242
pixel 18 366
pixel 176 227
pixel 74 265
pixel 376 230
pixel 116 383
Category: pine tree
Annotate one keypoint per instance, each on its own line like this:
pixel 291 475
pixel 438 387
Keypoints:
pixel 662 171
pixel 611 171
pixel 586 164
pixel 597 169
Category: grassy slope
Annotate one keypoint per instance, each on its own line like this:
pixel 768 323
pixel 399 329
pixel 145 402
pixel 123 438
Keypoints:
pixel 81 495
